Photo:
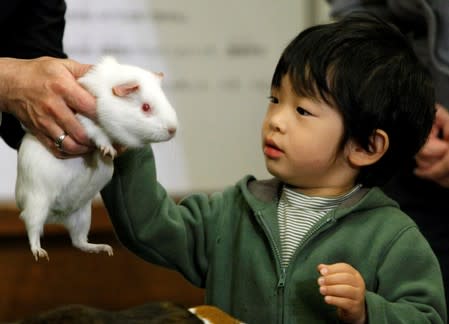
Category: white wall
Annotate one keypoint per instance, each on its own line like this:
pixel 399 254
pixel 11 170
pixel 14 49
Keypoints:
pixel 218 58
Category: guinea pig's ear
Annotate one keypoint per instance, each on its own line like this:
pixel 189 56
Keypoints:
pixel 160 75
pixel 125 89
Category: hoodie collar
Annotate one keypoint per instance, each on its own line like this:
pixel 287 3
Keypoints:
pixel 262 194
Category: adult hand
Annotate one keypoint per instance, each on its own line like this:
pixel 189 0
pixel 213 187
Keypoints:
pixel 344 287
pixel 433 159
pixel 43 94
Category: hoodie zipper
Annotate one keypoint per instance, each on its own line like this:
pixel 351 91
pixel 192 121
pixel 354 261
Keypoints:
pixel 283 271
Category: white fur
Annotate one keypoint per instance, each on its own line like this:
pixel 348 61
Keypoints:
pixel 52 190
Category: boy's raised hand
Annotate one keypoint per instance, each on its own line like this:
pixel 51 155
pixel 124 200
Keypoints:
pixel 344 287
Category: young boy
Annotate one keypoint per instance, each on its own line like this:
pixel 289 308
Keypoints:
pixel 319 243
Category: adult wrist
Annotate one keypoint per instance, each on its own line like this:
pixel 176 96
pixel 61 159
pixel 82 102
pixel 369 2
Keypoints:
pixel 8 75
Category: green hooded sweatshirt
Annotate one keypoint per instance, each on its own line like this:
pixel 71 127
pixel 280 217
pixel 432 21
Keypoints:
pixel 228 243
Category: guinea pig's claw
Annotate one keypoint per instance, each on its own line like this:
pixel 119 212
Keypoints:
pixel 108 150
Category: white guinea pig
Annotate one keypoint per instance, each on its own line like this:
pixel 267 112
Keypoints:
pixel 132 111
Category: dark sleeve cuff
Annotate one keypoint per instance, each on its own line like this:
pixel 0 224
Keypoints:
pixel 11 130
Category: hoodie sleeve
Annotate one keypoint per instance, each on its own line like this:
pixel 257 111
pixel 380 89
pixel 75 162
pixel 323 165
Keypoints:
pixel 410 288
pixel 150 224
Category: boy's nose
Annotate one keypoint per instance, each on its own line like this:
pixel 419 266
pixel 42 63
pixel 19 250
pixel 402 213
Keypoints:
pixel 277 122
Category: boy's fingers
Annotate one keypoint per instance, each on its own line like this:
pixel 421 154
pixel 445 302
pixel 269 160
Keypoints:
pixel 344 291
pixel 337 278
pixel 340 302
pixel 326 269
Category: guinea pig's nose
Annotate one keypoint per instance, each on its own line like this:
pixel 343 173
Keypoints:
pixel 172 131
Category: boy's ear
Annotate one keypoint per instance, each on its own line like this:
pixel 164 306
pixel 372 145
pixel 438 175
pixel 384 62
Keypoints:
pixel 359 157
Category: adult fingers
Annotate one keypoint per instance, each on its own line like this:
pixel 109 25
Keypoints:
pixel 69 147
pixel 444 181
pixel 78 69
pixel 78 98
pixel 62 119
pixel 434 148
pixel 436 171
pixel 425 163
pixel 72 148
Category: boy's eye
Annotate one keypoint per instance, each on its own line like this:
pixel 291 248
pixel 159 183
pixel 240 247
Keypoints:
pixel 273 99
pixel 302 111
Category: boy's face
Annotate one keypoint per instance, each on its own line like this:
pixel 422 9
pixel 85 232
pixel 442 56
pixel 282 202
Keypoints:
pixel 300 140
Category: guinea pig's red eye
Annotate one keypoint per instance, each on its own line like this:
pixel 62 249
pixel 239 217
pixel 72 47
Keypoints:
pixel 146 107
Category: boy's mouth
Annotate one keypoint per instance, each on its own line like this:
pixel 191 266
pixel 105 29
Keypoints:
pixel 271 150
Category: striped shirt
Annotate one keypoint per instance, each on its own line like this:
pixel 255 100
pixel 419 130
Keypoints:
pixel 298 213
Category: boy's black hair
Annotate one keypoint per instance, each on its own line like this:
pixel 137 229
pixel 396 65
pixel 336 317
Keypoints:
pixel 368 70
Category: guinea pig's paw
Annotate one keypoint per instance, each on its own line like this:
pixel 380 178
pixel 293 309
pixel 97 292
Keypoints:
pixel 109 250
pixel 40 253
pixel 108 150
pixel 104 248
pixel 92 248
